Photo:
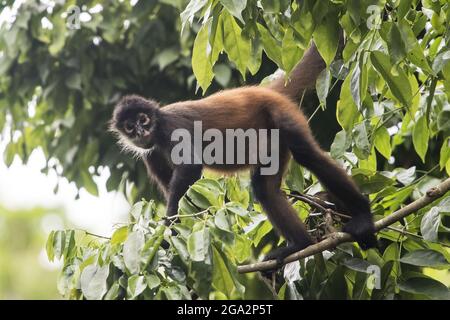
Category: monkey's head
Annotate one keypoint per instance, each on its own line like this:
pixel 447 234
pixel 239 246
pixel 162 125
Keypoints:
pixel 133 121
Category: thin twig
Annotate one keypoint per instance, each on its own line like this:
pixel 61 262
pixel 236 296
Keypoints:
pixel 337 238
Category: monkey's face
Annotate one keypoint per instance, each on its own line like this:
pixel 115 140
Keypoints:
pixel 137 129
pixel 134 120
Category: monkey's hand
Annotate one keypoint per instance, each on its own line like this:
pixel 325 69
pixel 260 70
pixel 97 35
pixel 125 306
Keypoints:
pixel 362 230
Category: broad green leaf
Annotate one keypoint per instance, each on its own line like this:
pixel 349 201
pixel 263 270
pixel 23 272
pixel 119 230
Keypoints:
pixel 397 50
pixel 152 281
pixel 406 176
pixel 198 244
pixel 119 236
pixel 383 142
pixel 347 112
pixel 326 37
pixel 93 281
pixel 291 52
pixel 429 225
pixel 275 6
pixel 191 9
pixel 399 84
pixel 413 48
pixel 323 86
pixel 113 292
pixel 235 7
pixel 358 83
pixel 340 144
pixel 222 277
pixel 236 45
pixel 420 137
pixel 425 286
pixel 425 258
pixel 201 59
pixel 361 141
pixel 59 242
pixel 335 286
pixel 132 251
pixel 221 220
pixel 136 285
pixel 271 46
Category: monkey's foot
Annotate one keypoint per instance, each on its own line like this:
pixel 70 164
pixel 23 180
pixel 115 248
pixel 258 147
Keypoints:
pixel 362 230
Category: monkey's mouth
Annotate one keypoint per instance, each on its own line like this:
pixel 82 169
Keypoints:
pixel 144 144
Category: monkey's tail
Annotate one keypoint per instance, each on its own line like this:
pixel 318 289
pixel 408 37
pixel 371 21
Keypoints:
pixel 303 76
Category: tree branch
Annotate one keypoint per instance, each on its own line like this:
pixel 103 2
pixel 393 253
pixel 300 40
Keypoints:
pixel 337 238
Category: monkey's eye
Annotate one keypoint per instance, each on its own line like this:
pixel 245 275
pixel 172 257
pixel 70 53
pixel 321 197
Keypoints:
pixel 129 127
pixel 143 119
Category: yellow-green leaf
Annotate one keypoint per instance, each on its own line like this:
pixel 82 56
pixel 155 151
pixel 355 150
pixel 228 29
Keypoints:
pixel 420 137
pixel 383 142
pixel 201 62
pixel 236 46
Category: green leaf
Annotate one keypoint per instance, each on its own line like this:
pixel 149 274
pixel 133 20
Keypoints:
pixel 222 277
pixel 358 83
pixel 413 48
pixel 323 85
pixel 429 225
pixel 398 84
pixel 191 9
pixel 420 137
pixel 326 37
pixel 49 246
pixel 235 7
pixel 58 35
pixel 198 244
pixel 113 292
pixel 201 62
pixel 383 142
pixel 119 236
pixel 425 258
pixel 136 210
pixel 236 46
pixel 335 286
pixel 271 46
pixel 221 220
pixel 406 176
pixel 397 50
pixel 136 285
pixel 340 144
pixel 275 6
pixel 132 249
pixel 291 52
pixel 425 286
pixel 347 112
pixel 93 281
pixel 59 242
pixel 361 141
pixel 152 281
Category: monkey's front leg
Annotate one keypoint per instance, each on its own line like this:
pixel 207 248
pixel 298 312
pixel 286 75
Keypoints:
pixel 182 178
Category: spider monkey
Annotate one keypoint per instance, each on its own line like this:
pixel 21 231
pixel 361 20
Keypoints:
pixel 145 129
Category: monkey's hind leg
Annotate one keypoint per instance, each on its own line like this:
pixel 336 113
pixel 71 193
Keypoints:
pixel 281 214
pixel 306 152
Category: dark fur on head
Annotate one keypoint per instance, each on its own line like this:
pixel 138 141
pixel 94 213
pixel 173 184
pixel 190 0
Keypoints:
pixel 134 122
